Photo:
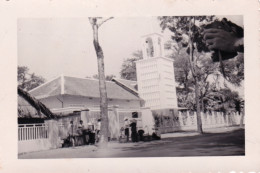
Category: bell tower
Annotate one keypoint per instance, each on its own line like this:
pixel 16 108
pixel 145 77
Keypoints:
pixel 155 74
pixel 152 46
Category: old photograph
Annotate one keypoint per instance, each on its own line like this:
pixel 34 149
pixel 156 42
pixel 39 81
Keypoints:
pixel 113 87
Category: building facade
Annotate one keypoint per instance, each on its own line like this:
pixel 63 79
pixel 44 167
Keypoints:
pixel 72 93
pixel 155 75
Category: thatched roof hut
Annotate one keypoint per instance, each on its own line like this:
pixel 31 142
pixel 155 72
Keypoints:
pixel 30 108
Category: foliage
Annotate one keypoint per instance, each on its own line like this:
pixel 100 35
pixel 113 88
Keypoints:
pixel 234 69
pixel 186 29
pixel 205 69
pixel 108 77
pixel 187 34
pixel 128 68
pixel 224 100
pixel 27 81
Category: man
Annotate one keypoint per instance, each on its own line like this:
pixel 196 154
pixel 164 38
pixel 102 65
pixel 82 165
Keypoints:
pixel 71 134
pixel 133 131
pixel 98 129
pixel 80 127
pixel 126 127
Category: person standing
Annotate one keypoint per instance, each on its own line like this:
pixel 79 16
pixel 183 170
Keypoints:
pixel 98 129
pixel 80 127
pixel 81 137
pixel 126 127
pixel 134 131
pixel 71 134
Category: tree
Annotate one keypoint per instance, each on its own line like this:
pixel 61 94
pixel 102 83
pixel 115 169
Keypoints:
pixel 187 32
pixel 234 69
pixel 227 101
pixel 108 77
pixel 96 22
pixel 27 81
pixel 128 68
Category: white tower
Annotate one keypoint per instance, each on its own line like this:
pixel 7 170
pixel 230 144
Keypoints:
pixel 155 75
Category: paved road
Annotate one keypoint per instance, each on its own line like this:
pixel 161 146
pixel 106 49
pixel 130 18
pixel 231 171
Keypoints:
pixel 208 144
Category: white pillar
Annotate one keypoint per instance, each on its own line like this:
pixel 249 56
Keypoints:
pixel 195 118
pixel 84 116
pixel 189 122
pixel 53 133
pixel 181 119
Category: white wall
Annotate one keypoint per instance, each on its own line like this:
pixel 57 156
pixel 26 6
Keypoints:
pixel 79 101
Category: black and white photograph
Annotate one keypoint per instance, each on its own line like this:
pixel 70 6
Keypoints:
pixel 105 87
pixel 147 86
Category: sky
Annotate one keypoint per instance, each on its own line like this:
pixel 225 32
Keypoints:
pixel 51 47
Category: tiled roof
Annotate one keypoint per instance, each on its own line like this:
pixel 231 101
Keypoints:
pixel 81 87
pixel 47 89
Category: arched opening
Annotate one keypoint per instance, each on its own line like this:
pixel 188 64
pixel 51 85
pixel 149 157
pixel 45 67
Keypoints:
pixel 149 47
pixel 160 47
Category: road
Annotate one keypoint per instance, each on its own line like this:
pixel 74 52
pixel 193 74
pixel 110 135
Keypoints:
pixel 209 144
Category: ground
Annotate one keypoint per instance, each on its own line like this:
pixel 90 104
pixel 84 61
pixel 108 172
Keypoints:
pixel 217 142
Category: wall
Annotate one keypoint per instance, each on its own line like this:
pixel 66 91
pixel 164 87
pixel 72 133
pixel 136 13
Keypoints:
pixel 156 82
pixel 79 101
pixel 186 121
pixel 33 137
pixel 33 145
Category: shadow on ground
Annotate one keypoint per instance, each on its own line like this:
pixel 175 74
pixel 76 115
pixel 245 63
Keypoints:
pixel 207 144
pixel 230 143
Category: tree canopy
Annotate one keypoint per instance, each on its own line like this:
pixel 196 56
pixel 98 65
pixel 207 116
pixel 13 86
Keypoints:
pixel 193 64
pixel 128 68
pixel 26 80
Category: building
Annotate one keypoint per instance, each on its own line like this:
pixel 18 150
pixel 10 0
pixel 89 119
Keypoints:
pixel 73 93
pixel 74 99
pixel 155 75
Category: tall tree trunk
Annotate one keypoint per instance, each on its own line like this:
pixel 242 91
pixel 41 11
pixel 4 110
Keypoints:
pixel 102 89
pixel 199 123
pixel 197 99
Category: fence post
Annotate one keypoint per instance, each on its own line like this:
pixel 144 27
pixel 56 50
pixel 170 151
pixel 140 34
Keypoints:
pixel 189 122
pixel 202 119
pixel 195 118
pixel 117 123
pixel 219 119
pixel 84 116
pixel 205 118
pixel 209 118
pixel 53 133
pixel 223 118
pixel 237 118
pixel 181 119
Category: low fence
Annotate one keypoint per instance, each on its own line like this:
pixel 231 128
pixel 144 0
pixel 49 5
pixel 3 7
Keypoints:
pixel 185 121
pixel 32 131
pixel 33 137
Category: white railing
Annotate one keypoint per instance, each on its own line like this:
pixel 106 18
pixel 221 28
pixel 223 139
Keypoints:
pixel 32 131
